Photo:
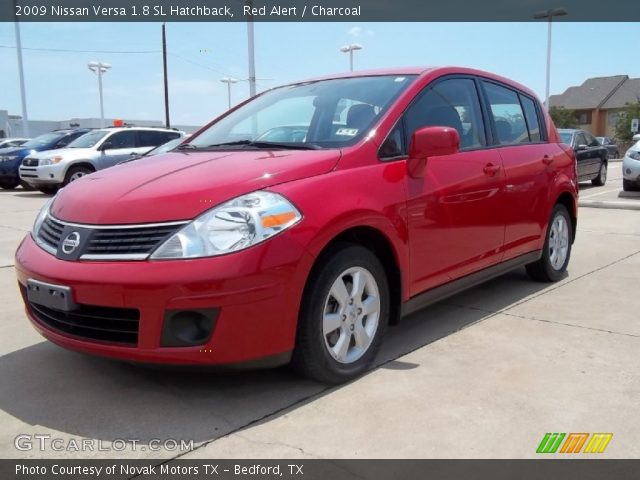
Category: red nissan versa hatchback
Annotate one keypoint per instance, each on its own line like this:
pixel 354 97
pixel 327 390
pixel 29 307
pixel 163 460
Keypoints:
pixel 299 224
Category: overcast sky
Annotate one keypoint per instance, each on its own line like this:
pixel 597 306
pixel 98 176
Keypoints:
pixel 60 86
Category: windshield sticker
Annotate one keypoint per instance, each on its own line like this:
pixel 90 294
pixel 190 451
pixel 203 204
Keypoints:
pixel 348 132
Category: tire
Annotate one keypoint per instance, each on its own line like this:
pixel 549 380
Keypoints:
pixel 48 189
pixel 317 354
pixel 601 179
pixel 616 154
pixel 26 186
pixel 74 173
pixel 549 268
pixel 9 185
pixel 629 186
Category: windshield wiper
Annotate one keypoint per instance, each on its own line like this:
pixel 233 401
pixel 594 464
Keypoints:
pixel 186 146
pixel 260 144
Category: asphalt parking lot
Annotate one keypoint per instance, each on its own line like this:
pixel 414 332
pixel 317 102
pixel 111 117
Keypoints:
pixel 484 374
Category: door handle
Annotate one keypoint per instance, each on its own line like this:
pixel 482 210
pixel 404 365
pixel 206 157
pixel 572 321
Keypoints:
pixel 491 169
pixel 547 160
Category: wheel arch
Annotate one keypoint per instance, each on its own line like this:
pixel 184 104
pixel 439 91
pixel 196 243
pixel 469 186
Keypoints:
pixel 377 242
pixel 568 200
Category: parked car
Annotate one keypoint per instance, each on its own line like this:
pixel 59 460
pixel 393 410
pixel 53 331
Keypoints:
pixel 11 158
pixel 610 145
pixel 12 142
pixel 591 156
pixel 98 149
pixel 230 250
pixel 164 148
pixel 631 169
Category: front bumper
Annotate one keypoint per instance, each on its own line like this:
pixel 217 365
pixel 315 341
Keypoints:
pixel 42 174
pixel 631 169
pixel 257 293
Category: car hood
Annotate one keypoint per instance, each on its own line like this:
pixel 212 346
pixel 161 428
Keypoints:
pixel 64 152
pixel 18 151
pixel 182 185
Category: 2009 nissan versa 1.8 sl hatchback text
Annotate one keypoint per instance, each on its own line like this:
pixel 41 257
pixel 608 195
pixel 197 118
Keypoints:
pixel 385 191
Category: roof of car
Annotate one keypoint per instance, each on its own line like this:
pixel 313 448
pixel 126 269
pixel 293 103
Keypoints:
pixel 423 70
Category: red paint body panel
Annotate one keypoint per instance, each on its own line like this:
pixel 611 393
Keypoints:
pixel 459 218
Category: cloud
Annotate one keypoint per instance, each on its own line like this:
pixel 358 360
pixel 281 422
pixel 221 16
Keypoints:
pixel 359 31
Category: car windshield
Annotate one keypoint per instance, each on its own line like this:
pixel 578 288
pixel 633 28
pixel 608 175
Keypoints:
pixel 566 137
pixel 320 114
pixel 88 140
pixel 42 140
pixel 165 147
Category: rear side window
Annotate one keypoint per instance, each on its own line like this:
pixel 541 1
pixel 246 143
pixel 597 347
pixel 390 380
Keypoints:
pixel 153 139
pixel 123 140
pixel 449 103
pixel 507 114
pixel 531 116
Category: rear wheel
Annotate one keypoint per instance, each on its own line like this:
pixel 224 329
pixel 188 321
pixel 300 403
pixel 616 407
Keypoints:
pixel 343 316
pixel 76 173
pixel 557 248
pixel 629 186
pixel 601 179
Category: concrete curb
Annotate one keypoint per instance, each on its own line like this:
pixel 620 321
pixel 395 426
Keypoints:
pixel 609 204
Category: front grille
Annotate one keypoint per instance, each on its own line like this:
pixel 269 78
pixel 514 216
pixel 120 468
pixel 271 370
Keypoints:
pixel 102 324
pixel 124 242
pixel 51 232
pixel 128 241
pixel 30 162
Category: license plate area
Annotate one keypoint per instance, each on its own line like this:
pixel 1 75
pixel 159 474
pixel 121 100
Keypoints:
pixel 57 297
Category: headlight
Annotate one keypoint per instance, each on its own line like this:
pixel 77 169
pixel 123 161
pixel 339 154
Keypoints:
pixel 42 215
pixel 238 224
pixel 633 154
pixel 51 161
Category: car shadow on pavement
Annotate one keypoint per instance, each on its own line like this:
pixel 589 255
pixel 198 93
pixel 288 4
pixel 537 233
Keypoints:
pixel 53 389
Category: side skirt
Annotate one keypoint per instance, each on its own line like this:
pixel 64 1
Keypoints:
pixel 456 286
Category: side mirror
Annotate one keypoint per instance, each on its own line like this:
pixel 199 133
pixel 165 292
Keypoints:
pixel 581 147
pixel 430 142
pixel 106 146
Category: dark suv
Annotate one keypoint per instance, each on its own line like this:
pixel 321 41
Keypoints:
pixel 11 158
pixel 591 155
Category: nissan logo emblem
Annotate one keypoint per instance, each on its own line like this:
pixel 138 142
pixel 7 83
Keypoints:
pixel 71 242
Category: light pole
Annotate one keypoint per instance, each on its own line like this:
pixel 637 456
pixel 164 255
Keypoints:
pixel 23 94
pixel 350 49
pixel 251 52
pixel 99 68
pixel 229 81
pixel 549 14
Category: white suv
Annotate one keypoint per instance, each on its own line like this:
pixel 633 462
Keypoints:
pixel 98 149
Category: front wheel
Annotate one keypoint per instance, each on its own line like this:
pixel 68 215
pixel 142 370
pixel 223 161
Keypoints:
pixel 48 189
pixel 557 248
pixel 75 173
pixel 344 313
pixel 601 179
pixel 629 186
pixel 9 184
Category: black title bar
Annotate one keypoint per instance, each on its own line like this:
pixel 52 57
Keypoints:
pixel 317 10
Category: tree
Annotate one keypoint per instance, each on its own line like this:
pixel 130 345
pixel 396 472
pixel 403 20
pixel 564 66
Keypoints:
pixel 563 117
pixel 623 126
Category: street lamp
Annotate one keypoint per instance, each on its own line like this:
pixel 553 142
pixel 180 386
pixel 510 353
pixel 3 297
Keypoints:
pixel 350 49
pixel 229 81
pixel 99 68
pixel 549 14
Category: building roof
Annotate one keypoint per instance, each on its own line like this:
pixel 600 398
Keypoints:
pixel 629 92
pixel 599 92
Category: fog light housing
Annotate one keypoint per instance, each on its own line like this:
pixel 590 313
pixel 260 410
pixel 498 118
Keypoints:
pixel 188 328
